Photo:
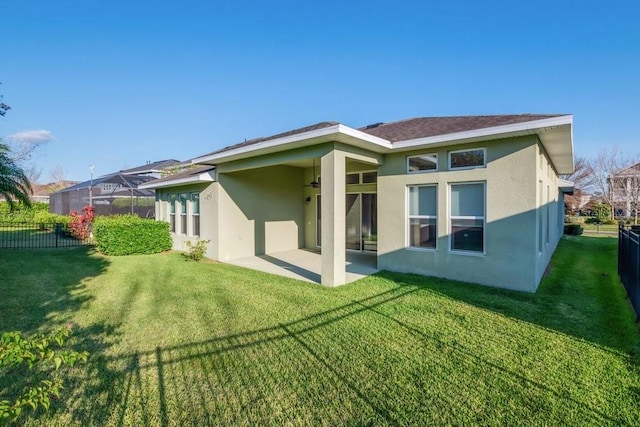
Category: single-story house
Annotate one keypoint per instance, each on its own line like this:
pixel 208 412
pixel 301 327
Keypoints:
pixel 470 198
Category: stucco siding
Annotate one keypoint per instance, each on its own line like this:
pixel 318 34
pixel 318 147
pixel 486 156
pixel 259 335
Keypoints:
pixel 260 211
pixel 509 258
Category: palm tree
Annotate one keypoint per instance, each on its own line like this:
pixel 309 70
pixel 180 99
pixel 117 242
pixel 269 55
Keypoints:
pixel 14 184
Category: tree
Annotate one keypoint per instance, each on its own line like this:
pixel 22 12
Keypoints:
pixel 582 178
pixel 56 175
pixel 606 164
pixel 14 184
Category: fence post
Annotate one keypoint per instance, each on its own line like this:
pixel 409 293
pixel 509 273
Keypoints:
pixel 56 232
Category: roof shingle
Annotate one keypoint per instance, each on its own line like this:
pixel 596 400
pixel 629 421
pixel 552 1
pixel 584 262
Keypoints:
pixel 422 127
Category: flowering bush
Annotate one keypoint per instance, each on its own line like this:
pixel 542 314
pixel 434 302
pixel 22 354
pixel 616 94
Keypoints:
pixel 81 223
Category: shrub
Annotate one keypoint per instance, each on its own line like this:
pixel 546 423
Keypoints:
pixel 196 251
pixel 46 219
pixel 41 356
pixel 21 213
pixel 576 219
pixel 81 223
pixel 573 229
pixel 129 234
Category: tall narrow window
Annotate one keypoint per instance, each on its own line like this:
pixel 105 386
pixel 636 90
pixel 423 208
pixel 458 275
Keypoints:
pixel 172 213
pixel 423 216
pixel 467 217
pixel 548 211
pixel 195 214
pixel 183 213
pixel 540 216
pixel 318 220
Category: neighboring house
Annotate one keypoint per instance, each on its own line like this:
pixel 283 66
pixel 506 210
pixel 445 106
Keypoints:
pixel 625 189
pixel 41 192
pixel 114 193
pixel 474 198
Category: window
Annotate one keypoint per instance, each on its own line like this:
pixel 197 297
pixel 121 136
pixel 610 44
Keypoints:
pixel 172 213
pixel 195 214
pixel 183 213
pixel 352 178
pixel 369 177
pixel 423 216
pixel 540 220
pixel 422 163
pixel 467 217
pixel 467 158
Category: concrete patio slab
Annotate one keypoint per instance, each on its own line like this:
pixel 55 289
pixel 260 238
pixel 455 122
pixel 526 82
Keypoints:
pixel 305 264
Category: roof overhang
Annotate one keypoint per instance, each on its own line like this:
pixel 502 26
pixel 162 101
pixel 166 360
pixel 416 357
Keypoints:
pixel 335 133
pixel 203 177
pixel 555 134
pixel 567 187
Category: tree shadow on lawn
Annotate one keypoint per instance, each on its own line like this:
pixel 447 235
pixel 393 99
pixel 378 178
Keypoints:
pixel 41 291
pixel 43 288
pixel 582 300
pixel 297 372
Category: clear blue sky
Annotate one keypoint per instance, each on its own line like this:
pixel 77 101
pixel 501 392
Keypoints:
pixel 116 83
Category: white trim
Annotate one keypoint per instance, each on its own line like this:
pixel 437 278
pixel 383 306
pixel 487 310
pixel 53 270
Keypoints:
pixel 408 218
pixel 329 131
pixel 422 171
pixel 486 132
pixel 484 159
pixel 484 220
pixel 195 179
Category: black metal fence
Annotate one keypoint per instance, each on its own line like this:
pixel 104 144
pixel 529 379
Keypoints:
pixel 33 235
pixel 629 264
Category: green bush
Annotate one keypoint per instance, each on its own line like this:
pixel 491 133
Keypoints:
pixel 129 234
pixel 576 219
pixel 21 213
pixel 47 218
pixel 197 250
pixel 573 229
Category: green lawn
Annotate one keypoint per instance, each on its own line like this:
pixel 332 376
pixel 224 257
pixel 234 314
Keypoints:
pixel 179 343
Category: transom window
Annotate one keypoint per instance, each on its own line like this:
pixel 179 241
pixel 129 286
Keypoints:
pixel 464 159
pixel 353 178
pixel 467 217
pixel 423 216
pixel 422 163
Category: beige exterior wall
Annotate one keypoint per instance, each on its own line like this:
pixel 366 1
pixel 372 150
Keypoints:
pixel 550 218
pixel 258 206
pixel 260 211
pixel 207 208
pixel 510 258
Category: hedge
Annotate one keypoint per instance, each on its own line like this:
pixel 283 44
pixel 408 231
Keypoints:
pixel 129 234
pixel 573 229
pixel 21 213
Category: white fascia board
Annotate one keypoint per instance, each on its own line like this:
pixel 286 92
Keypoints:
pixel 485 133
pixel 283 143
pixel 196 179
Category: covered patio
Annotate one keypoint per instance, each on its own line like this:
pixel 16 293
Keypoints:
pixel 304 264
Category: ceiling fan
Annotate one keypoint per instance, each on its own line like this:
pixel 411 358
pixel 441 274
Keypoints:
pixel 314 183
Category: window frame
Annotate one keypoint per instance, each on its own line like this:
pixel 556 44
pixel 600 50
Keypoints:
pixel 422 171
pixel 484 159
pixel 194 200
pixel 451 217
pixel 409 217
pixel 183 197
pixel 172 212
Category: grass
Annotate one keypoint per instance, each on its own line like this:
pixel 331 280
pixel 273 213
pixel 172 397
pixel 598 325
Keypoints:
pixel 183 343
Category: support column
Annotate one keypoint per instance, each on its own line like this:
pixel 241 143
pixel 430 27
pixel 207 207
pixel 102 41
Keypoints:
pixel 333 218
